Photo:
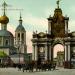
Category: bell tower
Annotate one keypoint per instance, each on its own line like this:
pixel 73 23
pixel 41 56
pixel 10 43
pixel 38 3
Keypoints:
pixel 20 37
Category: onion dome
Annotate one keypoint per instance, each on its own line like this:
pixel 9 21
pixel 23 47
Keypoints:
pixel 4 19
pixel 41 34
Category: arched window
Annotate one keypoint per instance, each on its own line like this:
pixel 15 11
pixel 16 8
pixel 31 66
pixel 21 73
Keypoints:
pixel 18 36
pixel 22 36
pixel 6 42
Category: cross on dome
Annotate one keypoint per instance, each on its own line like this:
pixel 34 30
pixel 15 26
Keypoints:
pixel 4 5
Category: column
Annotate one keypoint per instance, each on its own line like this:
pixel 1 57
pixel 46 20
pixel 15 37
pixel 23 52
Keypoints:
pixel 49 26
pixel 46 52
pixel 50 52
pixel 69 63
pixel 36 54
pixel 67 56
pixel 33 53
pixel 66 26
pixel 68 52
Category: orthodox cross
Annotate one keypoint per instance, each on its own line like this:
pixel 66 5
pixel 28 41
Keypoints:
pixel 4 5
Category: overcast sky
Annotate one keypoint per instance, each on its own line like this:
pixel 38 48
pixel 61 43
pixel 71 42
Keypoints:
pixel 35 14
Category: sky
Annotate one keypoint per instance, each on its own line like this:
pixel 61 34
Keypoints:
pixel 35 14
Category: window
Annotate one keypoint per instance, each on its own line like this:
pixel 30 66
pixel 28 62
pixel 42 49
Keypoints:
pixel 7 43
pixel 22 36
pixel 18 36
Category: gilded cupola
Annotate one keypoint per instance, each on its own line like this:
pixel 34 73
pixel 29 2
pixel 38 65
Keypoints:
pixel 4 19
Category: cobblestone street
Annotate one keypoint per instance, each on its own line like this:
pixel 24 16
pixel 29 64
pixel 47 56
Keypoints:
pixel 13 71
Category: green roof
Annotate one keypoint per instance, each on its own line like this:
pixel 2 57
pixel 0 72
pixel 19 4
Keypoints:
pixel 5 33
pixel 20 28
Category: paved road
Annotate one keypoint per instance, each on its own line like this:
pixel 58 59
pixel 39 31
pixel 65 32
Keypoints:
pixel 12 71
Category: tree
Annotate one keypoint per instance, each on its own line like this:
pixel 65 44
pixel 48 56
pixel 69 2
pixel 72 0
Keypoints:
pixel 2 54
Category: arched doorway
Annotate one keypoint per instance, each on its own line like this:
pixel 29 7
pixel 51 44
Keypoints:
pixel 58 54
pixel 57 48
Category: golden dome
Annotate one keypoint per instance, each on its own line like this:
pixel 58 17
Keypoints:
pixel 41 34
pixel 4 19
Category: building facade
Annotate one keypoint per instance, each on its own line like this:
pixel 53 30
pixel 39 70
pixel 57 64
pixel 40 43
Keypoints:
pixel 58 33
pixel 41 47
pixel 6 37
pixel 12 46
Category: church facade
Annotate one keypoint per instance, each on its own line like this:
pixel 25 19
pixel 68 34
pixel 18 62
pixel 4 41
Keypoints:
pixel 58 33
pixel 11 45
pixel 6 37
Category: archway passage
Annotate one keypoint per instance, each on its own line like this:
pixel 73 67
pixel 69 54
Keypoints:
pixel 58 54
pixel 57 48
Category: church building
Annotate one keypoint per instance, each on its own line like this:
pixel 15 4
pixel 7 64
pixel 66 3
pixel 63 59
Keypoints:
pixel 11 45
pixel 6 37
pixel 20 37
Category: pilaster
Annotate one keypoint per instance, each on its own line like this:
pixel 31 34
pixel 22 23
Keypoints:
pixel 49 26
pixel 66 26
pixel 50 52
pixel 36 52
pixel 33 53
pixel 46 52
pixel 66 53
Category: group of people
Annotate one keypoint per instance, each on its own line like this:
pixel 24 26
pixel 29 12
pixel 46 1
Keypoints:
pixel 31 66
